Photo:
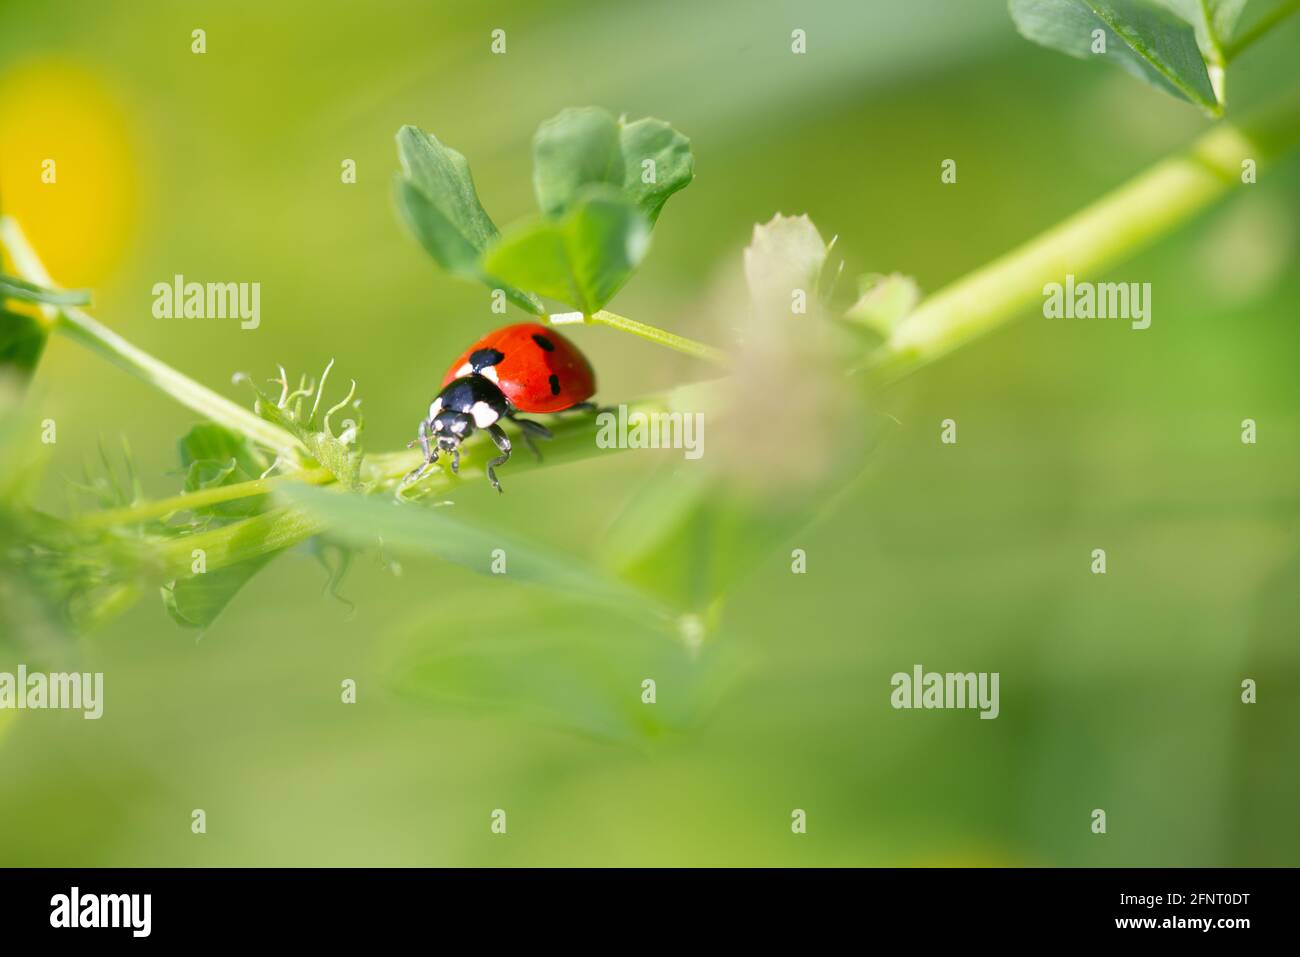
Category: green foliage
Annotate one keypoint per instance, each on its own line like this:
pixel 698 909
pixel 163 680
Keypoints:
pixel 56 578
pixel 102 483
pixel 601 184
pixel 647 160
pixel 1147 40
pixel 340 454
pixel 22 334
pixel 582 258
pixel 214 457
pixel 22 341
pixel 1213 21
pixel 196 602
pixel 437 200
pixel 687 538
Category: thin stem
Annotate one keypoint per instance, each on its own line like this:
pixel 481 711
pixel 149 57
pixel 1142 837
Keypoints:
pixel 80 327
pixel 1116 225
pixel 650 333
pixel 14 288
pixel 160 508
pixel 1215 61
pixel 1262 26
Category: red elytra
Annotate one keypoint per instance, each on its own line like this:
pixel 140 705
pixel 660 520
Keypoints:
pixel 539 371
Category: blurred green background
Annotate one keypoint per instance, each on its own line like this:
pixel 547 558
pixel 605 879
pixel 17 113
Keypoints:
pixel 1118 692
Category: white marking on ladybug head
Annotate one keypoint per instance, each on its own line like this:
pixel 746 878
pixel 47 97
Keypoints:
pixel 459 425
pixel 484 414
pixel 489 373
pixel 435 407
pixel 463 371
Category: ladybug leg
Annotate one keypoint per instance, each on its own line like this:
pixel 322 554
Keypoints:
pixel 422 440
pixel 530 430
pixel 502 442
pixel 430 455
pixel 582 407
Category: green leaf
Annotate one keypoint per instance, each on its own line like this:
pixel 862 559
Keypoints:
pixel 1146 40
pixel 14 288
pixel 436 199
pixel 196 602
pixel 647 160
pixel 673 164
pixel 1212 20
pixel 423 530
pixel 575 149
pixel 214 456
pixel 208 441
pixel 884 302
pixel 22 341
pixel 581 259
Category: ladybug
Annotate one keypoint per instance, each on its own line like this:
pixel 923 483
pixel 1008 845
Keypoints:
pixel 526 367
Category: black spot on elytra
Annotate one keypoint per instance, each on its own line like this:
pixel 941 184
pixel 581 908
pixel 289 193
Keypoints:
pixel 482 358
pixel 545 343
pixel 555 385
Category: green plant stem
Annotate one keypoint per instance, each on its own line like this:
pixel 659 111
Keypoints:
pixel 1117 225
pixel 14 288
pixel 650 333
pixel 160 508
pixel 1266 23
pixel 80 327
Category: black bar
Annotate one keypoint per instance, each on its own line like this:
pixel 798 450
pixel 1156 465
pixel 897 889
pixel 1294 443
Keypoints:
pixel 337 906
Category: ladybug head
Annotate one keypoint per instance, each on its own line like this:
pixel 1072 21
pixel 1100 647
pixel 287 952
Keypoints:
pixel 451 428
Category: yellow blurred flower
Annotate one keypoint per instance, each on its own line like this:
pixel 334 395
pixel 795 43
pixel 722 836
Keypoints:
pixel 66 167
